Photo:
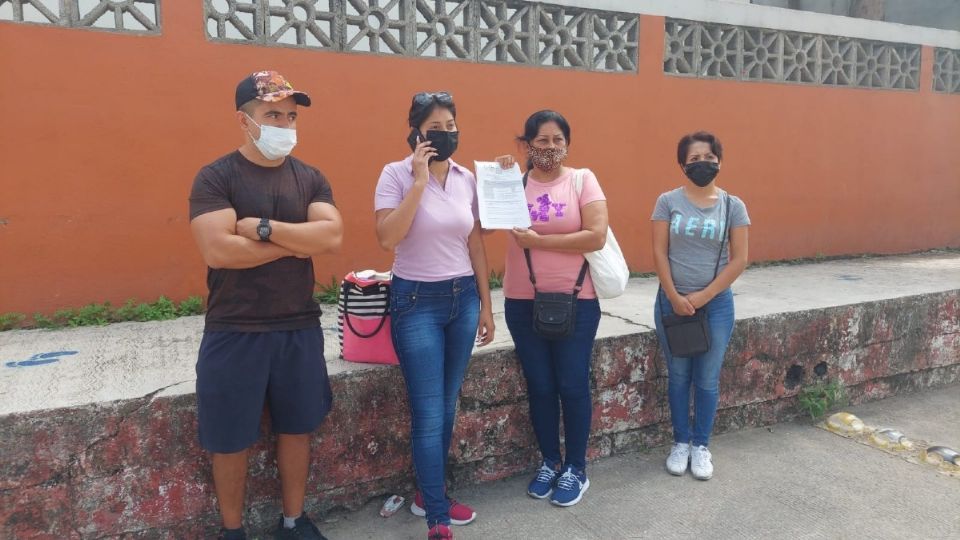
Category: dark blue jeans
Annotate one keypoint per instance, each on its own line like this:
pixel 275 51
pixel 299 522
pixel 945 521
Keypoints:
pixel 703 371
pixel 557 372
pixel 434 327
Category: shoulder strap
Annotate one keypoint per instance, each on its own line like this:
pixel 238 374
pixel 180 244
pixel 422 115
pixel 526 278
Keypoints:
pixel 533 279
pixel 726 233
pixel 580 278
pixel 578 182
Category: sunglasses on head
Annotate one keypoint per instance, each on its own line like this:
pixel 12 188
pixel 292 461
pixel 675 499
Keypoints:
pixel 426 98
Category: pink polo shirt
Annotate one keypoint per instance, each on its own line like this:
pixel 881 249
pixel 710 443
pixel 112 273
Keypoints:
pixel 554 209
pixel 435 248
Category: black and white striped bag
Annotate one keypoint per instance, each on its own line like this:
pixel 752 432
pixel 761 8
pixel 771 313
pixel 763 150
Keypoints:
pixel 363 318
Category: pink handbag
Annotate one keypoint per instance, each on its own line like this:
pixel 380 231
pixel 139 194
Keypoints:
pixel 363 318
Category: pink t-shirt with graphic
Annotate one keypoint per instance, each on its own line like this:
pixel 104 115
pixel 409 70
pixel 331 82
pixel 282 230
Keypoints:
pixel 554 209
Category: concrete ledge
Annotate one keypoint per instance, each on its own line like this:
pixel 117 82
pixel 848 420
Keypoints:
pixel 132 465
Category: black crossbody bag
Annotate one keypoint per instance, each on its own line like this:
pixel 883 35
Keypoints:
pixel 555 314
pixel 689 335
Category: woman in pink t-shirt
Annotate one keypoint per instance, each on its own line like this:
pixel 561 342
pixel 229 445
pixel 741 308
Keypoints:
pixel 565 225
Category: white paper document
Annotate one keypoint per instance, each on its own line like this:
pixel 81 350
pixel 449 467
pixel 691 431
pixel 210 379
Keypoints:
pixel 503 204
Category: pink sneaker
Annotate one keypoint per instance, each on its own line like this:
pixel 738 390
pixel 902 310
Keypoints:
pixel 460 514
pixel 440 532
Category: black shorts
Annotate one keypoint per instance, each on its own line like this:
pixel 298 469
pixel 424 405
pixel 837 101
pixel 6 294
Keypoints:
pixel 238 372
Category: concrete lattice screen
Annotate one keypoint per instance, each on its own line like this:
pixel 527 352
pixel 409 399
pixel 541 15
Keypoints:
pixel 709 50
pixel 139 16
pixel 470 30
pixel 946 70
pixel 524 33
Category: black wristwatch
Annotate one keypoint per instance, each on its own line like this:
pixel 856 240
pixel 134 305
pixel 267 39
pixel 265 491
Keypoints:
pixel 264 229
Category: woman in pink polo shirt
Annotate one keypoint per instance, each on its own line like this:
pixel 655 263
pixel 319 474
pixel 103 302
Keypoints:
pixel 565 225
pixel 426 210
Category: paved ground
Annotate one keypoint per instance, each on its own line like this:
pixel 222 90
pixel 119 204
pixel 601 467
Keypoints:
pixel 130 360
pixel 789 481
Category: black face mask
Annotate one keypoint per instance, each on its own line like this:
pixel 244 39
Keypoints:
pixel 702 173
pixel 444 142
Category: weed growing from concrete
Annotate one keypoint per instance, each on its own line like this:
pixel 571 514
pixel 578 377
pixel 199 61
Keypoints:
pixel 496 280
pixel 817 399
pixel 9 321
pixel 328 293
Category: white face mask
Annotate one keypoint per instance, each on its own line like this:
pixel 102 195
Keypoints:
pixel 274 143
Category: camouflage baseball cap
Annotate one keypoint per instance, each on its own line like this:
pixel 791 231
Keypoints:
pixel 268 86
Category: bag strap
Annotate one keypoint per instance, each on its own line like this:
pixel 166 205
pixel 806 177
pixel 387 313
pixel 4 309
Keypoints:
pixel 578 182
pixel 533 279
pixel 660 301
pixel 346 314
pixel 723 240
pixel 580 278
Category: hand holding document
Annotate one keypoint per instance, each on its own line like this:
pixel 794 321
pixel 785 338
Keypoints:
pixel 503 203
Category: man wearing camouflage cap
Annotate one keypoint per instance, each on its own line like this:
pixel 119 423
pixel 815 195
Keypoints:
pixel 258 215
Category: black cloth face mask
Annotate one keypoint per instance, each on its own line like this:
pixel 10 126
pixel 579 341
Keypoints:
pixel 701 173
pixel 444 142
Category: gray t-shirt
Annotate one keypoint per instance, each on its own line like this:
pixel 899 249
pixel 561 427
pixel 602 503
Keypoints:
pixel 695 235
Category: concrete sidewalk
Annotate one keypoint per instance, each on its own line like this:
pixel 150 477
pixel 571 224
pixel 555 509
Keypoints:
pixel 791 480
pixel 132 360
pixel 103 443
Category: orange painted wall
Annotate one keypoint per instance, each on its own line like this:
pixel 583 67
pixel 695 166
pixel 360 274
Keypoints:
pixel 102 135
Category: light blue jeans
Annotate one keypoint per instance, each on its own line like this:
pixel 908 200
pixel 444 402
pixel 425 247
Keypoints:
pixel 703 371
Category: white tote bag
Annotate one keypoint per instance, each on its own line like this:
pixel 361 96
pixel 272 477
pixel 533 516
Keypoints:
pixel 608 268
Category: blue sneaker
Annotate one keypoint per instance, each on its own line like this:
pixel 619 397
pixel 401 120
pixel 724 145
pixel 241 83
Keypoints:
pixel 570 488
pixel 542 485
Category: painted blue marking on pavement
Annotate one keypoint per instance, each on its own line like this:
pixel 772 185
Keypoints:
pixel 40 359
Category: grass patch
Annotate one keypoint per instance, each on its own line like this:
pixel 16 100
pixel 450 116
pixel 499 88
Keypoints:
pixel 100 314
pixel 822 397
pixel 329 293
pixel 191 306
pixel 9 321
pixel 496 280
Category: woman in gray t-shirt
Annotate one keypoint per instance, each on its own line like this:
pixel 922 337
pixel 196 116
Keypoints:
pixel 700 249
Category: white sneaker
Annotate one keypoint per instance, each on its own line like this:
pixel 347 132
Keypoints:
pixel 678 459
pixel 701 463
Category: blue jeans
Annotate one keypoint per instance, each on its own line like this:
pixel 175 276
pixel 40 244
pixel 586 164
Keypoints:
pixel 702 371
pixel 557 372
pixel 434 326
